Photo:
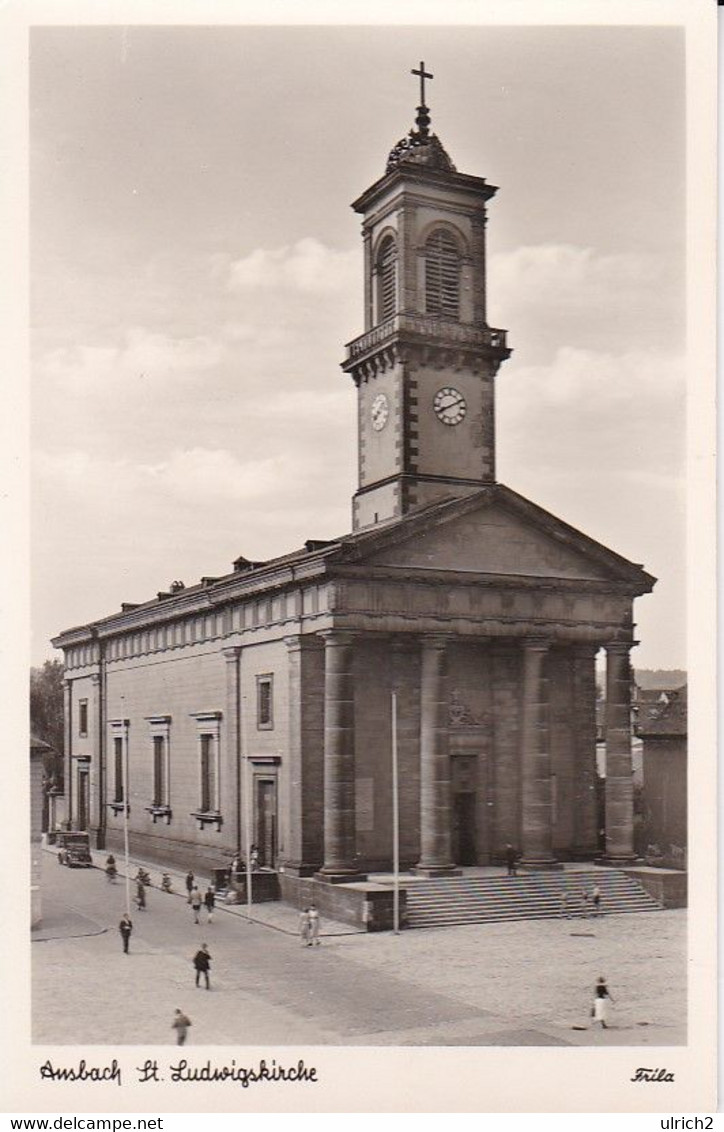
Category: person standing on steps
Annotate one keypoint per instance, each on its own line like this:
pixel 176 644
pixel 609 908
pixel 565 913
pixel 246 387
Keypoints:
pixel 596 900
pixel 202 963
pixel 601 999
pixel 180 1024
pixel 195 900
pixel 511 858
pixel 210 902
pixel 125 928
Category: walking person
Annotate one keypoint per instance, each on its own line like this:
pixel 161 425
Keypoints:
pixel 511 858
pixel 210 902
pixel 601 999
pixel 141 896
pixel 125 928
pixel 189 884
pixel 596 900
pixel 584 903
pixel 180 1024
pixel 202 963
pixel 313 925
pixel 304 928
pixel 195 900
pixel 565 905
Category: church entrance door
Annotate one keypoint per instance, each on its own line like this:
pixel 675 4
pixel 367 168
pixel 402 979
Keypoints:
pixel 464 847
pixel 266 821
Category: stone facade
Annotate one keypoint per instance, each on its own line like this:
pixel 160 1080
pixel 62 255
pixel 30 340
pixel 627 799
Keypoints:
pixel 256 707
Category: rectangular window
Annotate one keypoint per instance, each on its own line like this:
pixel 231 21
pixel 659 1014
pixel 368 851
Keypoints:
pixel 118 767
pixel 208 774
pixel 83 717
pixel 159 769
pixel 265 702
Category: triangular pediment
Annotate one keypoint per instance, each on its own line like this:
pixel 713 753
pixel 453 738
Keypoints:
pixel 499 533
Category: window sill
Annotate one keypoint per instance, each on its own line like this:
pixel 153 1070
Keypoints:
pixel 207 817
pixel 119 807
pixel 157 812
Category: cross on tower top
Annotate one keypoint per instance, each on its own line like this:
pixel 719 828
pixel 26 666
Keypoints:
pixel 423 75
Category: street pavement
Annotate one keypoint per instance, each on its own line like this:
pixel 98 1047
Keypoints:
pixel 517 984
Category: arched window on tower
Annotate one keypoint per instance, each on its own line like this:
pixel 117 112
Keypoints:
pixel 442 275
pixel 386 279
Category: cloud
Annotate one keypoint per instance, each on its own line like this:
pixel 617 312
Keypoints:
pixel 594 413
pixel 554 273
pixel 143 355
pixel 307 266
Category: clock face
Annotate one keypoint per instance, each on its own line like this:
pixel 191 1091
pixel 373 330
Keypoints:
pixel 379 412
pixel 449 405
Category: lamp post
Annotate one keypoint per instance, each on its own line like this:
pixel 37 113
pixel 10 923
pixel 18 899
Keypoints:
pixel 395 825
pixel 126 796
pixel 247 833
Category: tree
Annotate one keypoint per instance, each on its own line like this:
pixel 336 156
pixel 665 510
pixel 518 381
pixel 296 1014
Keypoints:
pixel 46 715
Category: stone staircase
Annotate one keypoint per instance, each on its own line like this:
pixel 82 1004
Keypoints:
pixel 536 895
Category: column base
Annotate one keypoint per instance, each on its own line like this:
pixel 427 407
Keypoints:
pixel 298 868
pixel 436 871
pixel 539 864
pixel 340 877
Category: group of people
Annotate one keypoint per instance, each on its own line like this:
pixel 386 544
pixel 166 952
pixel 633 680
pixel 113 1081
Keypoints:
pixel 309 926
pixel 590 902
pixel 197 901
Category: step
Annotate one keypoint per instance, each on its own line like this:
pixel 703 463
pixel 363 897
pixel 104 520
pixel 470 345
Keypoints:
pixel 463 900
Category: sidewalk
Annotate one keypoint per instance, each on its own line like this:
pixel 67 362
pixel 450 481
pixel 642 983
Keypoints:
pixel 271 914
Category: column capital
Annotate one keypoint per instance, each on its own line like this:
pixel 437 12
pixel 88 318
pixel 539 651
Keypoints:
pixel 231 653
pixel 302 641
pixel 337 637
pixel 535 644
pixel 438 641
pixel 408 642
pixel 620 648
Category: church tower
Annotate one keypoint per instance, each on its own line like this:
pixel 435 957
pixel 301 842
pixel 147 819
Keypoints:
pixel 425 366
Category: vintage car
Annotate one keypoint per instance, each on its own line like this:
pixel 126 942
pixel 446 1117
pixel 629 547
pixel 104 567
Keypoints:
pixel 74 850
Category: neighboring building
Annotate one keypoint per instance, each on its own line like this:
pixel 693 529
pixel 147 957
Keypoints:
pixel 38 751
pixel 661 724
pixel 268 690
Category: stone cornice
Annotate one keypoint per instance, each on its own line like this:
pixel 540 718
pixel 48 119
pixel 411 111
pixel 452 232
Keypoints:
pixel 404 575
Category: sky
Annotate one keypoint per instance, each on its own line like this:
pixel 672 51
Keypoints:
pixel 196 272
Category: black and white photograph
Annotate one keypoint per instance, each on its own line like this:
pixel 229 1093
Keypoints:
pixel 370 692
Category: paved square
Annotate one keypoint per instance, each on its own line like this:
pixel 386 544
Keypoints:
pixel 524 983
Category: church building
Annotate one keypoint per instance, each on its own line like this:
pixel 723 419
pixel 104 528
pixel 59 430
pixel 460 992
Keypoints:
pixel 257 706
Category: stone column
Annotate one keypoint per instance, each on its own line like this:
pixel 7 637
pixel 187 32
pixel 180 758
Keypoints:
pixel 232 728
pixel 536 809
pixel 435 807
pixel 68 753
pixel 406 683
pixel 339 765
pixel 585 814
pixel 303 769
pixel 98 805
pixel 505 661
pixel 619 780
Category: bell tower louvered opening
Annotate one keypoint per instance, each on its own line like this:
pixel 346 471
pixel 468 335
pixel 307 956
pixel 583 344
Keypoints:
pixel 386 279
pixel 442 275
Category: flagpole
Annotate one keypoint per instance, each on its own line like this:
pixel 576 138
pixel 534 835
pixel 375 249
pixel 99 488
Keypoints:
pixel 395 825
